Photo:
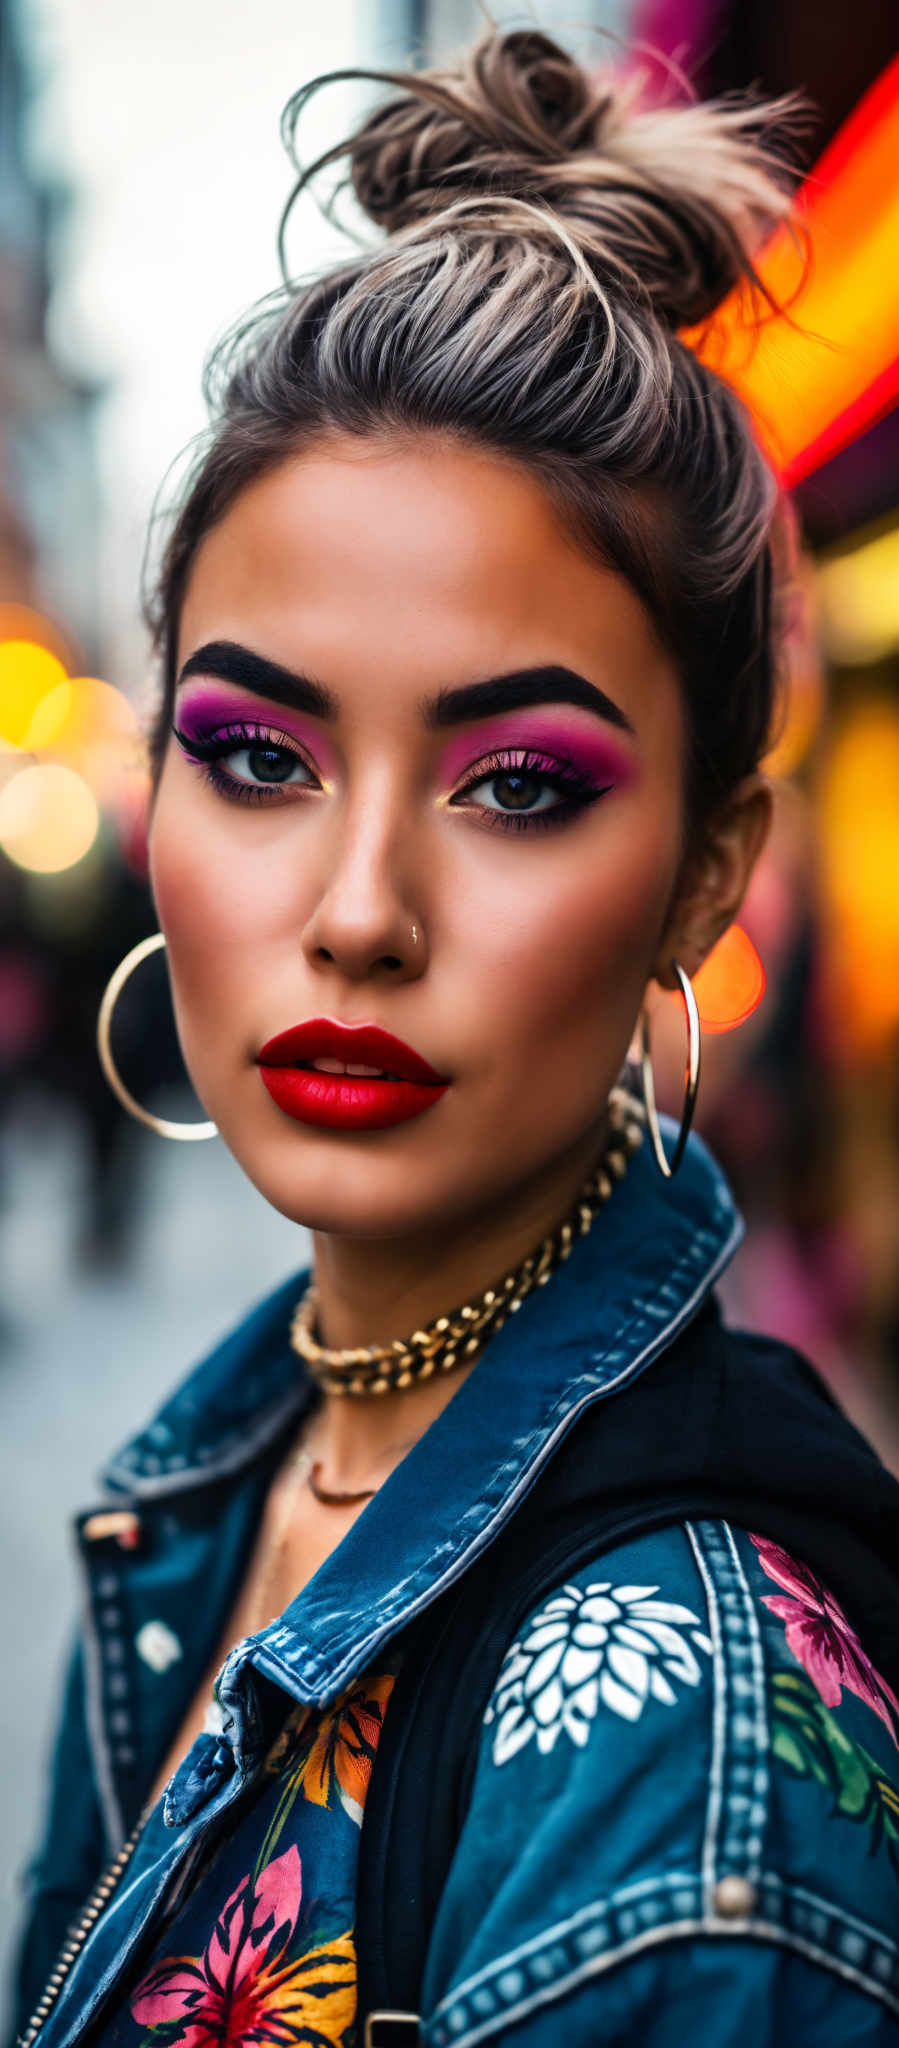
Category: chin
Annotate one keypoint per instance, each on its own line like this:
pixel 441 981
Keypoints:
pixel 346 1186
pixel 366 1212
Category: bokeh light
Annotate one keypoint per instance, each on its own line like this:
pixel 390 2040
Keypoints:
pixel 28 672
pixel 23 622
pixel 48 818
pixel 860 848
pixel 49 717
pixel 94 728
pixel 858 591
pixel 730 983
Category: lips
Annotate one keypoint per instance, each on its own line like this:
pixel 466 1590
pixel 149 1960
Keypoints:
pixel 401 1086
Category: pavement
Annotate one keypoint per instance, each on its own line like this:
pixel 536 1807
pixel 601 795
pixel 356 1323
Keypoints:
pixel 86 1353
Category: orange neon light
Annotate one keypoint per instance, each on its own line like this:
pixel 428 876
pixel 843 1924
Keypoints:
pixel 815 381
pixel 730 984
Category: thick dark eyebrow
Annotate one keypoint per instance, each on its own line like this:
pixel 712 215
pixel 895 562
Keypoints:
pixel 235 664
pixel 547 685
pixel 550 684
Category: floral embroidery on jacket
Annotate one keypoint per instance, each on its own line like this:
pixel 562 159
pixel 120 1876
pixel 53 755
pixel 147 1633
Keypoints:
pixel 617 1645
pixel 243 1990
pixel 806 1736
pixel 821 1638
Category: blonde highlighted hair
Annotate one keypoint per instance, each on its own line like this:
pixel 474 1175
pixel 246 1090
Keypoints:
pixel 544 239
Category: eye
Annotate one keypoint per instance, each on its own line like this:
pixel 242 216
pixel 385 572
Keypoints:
pixel 248 764
pixel 517 790
pixel 521 790
pixel 264 761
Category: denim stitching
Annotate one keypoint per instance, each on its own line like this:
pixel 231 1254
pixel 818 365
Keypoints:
pixel 518 1983
pixel 741 1756
pixel 95 1718
pixel 719 1724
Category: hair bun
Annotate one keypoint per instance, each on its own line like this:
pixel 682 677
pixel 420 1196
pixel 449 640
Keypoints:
pixel 666 205
pixel 520 103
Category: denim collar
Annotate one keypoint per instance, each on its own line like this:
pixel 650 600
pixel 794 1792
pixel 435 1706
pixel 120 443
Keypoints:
pixel 627 1289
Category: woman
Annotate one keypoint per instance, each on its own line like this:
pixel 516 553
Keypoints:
pixel 468 637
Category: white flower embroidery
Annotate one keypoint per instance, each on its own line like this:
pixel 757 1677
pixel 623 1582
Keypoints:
pixel 617 1644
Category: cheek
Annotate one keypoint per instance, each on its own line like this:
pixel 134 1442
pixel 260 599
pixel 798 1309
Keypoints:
pixel 215 894
pixel 572 936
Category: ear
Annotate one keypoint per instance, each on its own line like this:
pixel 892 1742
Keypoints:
pixel 714 878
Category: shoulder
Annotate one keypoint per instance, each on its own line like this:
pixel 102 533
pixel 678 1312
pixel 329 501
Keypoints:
pixel 622 1635
pixel 685 1741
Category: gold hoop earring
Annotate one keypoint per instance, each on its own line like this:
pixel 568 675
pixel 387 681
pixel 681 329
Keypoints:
pixel 691 1079
pixel 110 996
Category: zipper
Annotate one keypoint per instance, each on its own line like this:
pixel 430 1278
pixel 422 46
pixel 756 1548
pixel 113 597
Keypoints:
pixel 74 1942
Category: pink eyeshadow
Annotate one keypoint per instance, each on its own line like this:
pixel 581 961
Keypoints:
pixel 201 713
pixel 558 736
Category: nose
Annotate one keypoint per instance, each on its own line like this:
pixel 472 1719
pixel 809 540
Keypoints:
pixel 368 922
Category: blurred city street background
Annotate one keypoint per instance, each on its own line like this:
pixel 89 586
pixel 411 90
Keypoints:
pixel 141 183
pixel 89 1347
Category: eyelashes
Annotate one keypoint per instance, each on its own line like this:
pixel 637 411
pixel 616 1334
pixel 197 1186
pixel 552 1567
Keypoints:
pixel 518 766
pixel 519 779
pixel 282 753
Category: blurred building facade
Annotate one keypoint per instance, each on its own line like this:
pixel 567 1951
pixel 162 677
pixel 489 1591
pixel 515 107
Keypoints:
pixel 49 513
pixel 61 931
pixel 438 27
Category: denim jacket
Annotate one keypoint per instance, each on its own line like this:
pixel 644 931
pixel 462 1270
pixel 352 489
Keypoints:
pixel 683 1820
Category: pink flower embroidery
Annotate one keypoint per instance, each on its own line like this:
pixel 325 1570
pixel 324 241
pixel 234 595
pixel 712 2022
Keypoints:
pixel 820 1636
pixel 242 1990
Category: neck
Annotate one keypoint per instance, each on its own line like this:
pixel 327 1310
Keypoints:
pixel 372 1290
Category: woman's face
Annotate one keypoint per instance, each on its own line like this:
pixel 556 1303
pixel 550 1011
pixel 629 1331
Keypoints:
pixel 488 877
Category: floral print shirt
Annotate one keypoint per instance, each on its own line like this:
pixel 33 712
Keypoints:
pixel 262 1948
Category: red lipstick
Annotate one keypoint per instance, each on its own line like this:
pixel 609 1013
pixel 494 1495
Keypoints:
pixel 401 1086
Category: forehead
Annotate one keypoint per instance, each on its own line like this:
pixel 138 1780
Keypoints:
pixel 439 560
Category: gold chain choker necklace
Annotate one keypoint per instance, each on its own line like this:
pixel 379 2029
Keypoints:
pixel 452 1339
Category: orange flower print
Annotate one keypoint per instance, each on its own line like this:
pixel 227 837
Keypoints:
pixel 346 1740
pixel 242 1992
pixel 289 1741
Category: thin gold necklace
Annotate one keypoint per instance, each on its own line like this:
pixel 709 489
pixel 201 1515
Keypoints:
pixel 334 1500
pixel 300 1471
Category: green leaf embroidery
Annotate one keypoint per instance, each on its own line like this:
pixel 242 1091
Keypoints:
pixel 809 1740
